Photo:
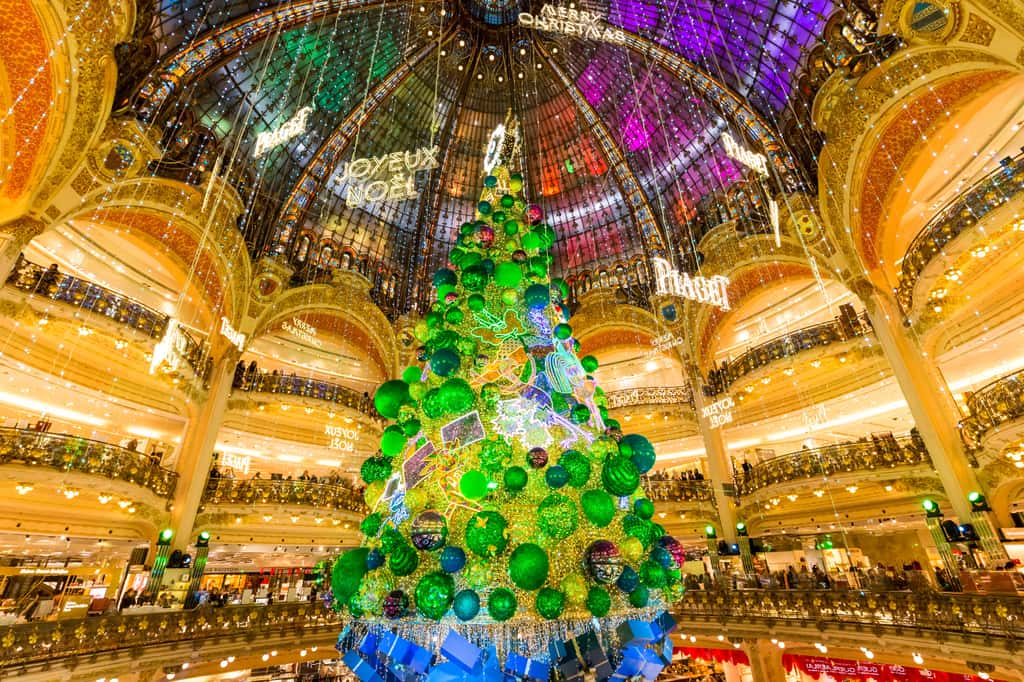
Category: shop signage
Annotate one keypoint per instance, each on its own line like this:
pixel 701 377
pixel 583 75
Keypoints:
pixel 719 412
pixel 235 462
pixel 815 418
pixel 341 438
pixel 294 127
pixel 236 337
pixel 671 282
pixel 43 571
pixel 755 162
pixel 391 176
pixel 303 331
pixel 573 22
pixel 663 343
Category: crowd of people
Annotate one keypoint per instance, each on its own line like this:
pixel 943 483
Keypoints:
pixel 326 490
pixel 251 378
pixel 879 578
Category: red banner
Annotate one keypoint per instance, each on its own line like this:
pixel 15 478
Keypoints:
pixel 716 655
pixel 845 669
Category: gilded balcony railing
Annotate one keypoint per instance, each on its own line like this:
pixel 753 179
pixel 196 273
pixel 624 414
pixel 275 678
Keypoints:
pixel 58 286
pixel 73 454
pixel 788 345
pixel 924 611
pixel 992 405
pixel 862 455
pixel 52 640
pixel 327 496
pixel 307 387
pixel 677 490
pixel 653 395
pixel 961 213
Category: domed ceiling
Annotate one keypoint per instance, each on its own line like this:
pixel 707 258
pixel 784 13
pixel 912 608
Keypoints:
pixel 621 139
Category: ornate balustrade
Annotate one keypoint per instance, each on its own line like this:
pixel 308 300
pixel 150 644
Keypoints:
pixel 883 453
pixel 300 493
pixel 307 388
pixel 58 286
pixel 71 453
pixel 52 640
pixel 992 405
pixel 792 343
pixel 655 395
pixel 926 612
pixel 960 214
pixel 677 490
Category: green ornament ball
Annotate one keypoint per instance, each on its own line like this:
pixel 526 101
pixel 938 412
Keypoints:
pixel 589 363
pixel 410 426
pixel 370 526
pixel 454 316
pixel 577 465
pixel 347 574
pixel 393 440
pixel 620 476
pixel 476 302
pixel 580 414
pixel 550 603
pixel 599 602
pixel 641 529
pixel 563 331
pixel 466 605
pixel 375 469
pixel 511 227
pixel 495 454
pixel 530 241
pixel 509 296
pixel 445 276
pixel 652 574
pixel 456 396
pixel 456 255
pixel 536 296
pixel 643 508
pixel 411 374
pixel 598 507
pixel 639 597
pixel 557 516
pixel 432 404
pixel 487 534
pixel 507 201
pixel 434 594
pixel 515 478
pixel 613 424
pixel 390 397
pixel 473 485
pixel 642 452
pixel 474 277
pixel 556 476
pixel 484 207
pixel 403 560
pixel 502 604
pixel 508 274
pixel 528 566
pixel 445 362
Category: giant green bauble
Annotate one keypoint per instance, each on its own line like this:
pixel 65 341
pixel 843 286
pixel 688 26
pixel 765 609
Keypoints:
pixel 563 331
pixel 486 534
pixel 580 413
pixel 347 573
pixel 589 363
pixel 466 605
pixel 546 233
pixel 550 603
pixel 473 485
pixel 598 601
pixel 434 594
pixel 404 560
pixel 652 574
pixel 598 507
pixel 457 396
pixel 454 316
pixel 643 454
pixel 531 242
pixel 536 296
pixel 641 529
pixel 495 454
pixel 474 278
pixel 620 476
pixel 375 469
pixel 444 276
pixel 508 274
pixel 528 566
pixel 444 362
pixel 390 397
pixel 639 597
pixel 371 524
pixel 476 302
pixel 501 605
pixel 557 516
pixel 515 478
pixel 393 440
pixel 644 508
pixel 433 405
pixel 578 466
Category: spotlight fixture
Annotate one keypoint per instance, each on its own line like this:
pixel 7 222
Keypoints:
pixel 24 488
pixel 104 498
pixel 918 658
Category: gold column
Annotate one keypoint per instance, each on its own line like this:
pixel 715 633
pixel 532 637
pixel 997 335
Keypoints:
pixel 765 661
pixel 14 237
pixel 196 454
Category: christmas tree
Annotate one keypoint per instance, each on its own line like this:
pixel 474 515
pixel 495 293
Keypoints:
pixel 502 490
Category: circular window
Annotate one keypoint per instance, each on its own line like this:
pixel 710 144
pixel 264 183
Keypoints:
pixel 928 17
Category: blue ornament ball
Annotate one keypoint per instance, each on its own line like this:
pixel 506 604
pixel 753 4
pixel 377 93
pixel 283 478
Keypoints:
pixel 452 559
pixel 663 557
pixel 466 605
pixel 375 559
pixel 628 581
pixel 556 476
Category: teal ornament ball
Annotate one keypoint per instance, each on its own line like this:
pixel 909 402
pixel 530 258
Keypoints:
pixel 452 559
pixel 434 594
pixel 556 476
pixel 484 207
pixel 444 276
pixel 642 452
pixel 502 604
pixel 490 181
pixel 643 508
pixel 536 296
pixel 466 605
pixel 528 566
pixel 390 397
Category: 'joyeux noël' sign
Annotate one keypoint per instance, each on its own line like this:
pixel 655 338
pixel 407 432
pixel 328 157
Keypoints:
pixel 670 282
pixel 391 176
pixel 572 22
pixel 719 413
